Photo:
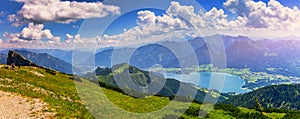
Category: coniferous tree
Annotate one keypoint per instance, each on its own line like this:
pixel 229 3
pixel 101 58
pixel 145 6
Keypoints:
pixel 258 107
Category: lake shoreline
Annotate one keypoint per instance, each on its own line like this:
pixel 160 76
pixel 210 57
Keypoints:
pixel 231 83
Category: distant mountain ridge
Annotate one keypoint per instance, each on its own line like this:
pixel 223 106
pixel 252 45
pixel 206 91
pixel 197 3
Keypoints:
pixel 241 52
pixel 150 54
pixel 46 60
pixel 65 55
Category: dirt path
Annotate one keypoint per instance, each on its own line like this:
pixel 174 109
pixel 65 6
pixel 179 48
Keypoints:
pixel 18 107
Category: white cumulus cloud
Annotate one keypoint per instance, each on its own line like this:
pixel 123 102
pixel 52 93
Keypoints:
pixel 30 33
pixel 73 39
pixel 40 11
pixel 35 32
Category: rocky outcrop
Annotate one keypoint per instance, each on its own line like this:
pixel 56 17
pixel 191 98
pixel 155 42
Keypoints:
pixel 15 58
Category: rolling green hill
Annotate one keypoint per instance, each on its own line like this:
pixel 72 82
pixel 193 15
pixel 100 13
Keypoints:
pixel 143 83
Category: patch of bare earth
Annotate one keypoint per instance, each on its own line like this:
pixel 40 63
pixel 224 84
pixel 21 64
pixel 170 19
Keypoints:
pixel 37 73
pixel 14 106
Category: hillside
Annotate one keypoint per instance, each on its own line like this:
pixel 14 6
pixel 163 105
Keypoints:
pixel 276 96
pixel 143 83
pixel 65 55
pixel 59 92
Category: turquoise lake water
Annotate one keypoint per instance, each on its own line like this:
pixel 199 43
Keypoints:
pixel 222 82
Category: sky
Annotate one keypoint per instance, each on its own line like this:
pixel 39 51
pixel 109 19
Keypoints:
pixel 59 24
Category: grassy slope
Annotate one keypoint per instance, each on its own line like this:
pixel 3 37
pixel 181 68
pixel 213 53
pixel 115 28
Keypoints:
pixel 59 91
pixel 271 115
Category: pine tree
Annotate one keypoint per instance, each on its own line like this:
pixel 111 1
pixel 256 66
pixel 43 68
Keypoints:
pixel 259 107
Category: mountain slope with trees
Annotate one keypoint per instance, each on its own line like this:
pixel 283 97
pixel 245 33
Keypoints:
pixel 149 83
pixel 276 96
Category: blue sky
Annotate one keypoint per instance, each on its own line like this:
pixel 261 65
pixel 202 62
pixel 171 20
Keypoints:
pixel 63 25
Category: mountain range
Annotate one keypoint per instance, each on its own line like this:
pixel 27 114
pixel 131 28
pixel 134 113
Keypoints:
pixel 241 52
